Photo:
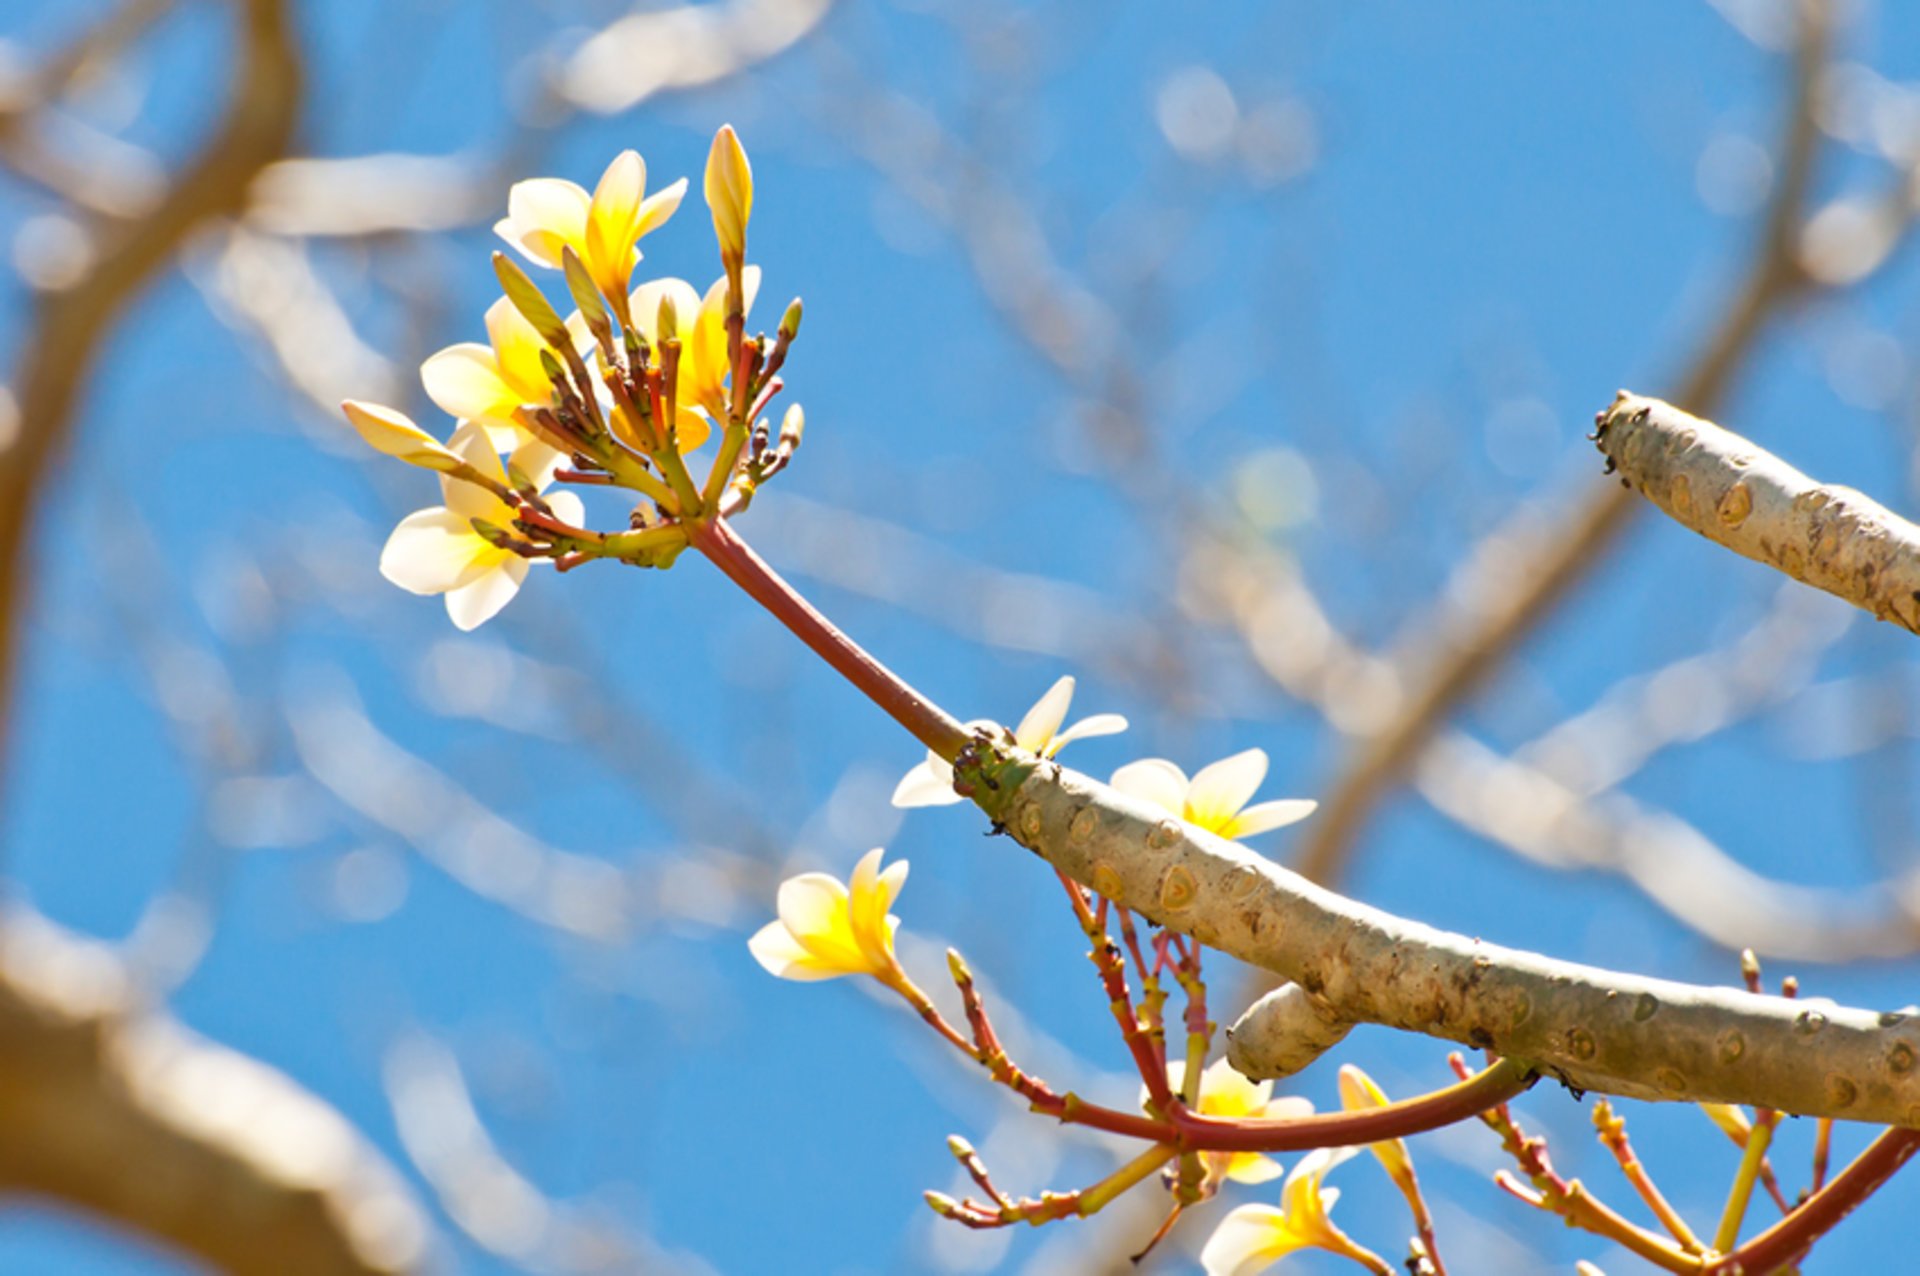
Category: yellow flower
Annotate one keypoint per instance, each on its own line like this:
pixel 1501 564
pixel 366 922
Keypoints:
pixel 436 551
pixel 1253 1237
pixel 1039 733
pixel 546 214
pixel 484 384
pixel 827 929
pixel 1225 1093
pixel 1216 798
pixel 729 186
pixel 1358 1093
pixel 700 325
pixel 394 433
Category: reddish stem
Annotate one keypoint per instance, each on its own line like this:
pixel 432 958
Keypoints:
pixel 1793 1235
pixel 928 722
pixel 1485 1090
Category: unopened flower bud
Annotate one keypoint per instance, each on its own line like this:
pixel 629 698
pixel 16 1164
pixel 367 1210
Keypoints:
pixel 943 1205
pixel 667 323
pixel 498 537
pixel 530 302
pixel 960 1148
pixel 792 426
pixel 585 294
pixel 395 434
pixel 790 322
pixel 957 967
pixel 729 195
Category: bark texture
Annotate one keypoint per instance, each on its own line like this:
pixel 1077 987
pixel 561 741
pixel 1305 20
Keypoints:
pixel 1739 495
pixel 1593 1029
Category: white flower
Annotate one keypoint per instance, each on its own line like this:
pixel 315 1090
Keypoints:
pixel 1216 798
pixel 1253 1237
pixel 1039 733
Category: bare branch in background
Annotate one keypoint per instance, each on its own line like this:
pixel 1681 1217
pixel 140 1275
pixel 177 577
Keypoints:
pixel 489 1200
pixel 117 1109
pixel 681 47
pixel 71 324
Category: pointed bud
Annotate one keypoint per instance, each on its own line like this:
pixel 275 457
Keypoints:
pixel 555 373
pixel 394 433
pixel 943 1205
pixel 497 537
pixel 667 322
pixel 960 1148
pixel 790 322
pixel 792 426
pixel 585 295
pixel 957 967
pixel 729 195
pixel 530 302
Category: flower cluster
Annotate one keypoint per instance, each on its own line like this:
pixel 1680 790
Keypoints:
pixel 614 395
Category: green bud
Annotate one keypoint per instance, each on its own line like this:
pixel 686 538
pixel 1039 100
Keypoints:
pixel 943 1205
pixel 960 1148
pixel 498 537
pixel 585 294
pixel 668 322
pixel 957 967
pixel 790 322
pixel 530 302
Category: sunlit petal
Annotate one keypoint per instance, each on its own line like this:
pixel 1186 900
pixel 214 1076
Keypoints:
pixel 775 948
pixel 659 206
pixel 1220 790
pixel 544 214
pixel 465 382
pixel 1264 817
pixel 1086 729
pixel 1248 1240
pixel 929 784
pixel 480 599
pixel 516 349
pixel 433 551
pixel 1036 730
pixel 1154 780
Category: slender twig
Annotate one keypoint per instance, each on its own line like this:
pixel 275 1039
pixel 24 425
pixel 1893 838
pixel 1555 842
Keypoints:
pixel 1793 1235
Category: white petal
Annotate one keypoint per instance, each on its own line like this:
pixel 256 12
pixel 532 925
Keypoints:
pixel 464 380
pixel 480 599
pixel 1247 1241
pixel 1049 711
pixel 1154 780
pixel 567 508
pixel 775 948
pixel 1086 729
pixel 1220 790
pixel 541 213
pixel 923 786
pixel 433 551
pixel 1264 817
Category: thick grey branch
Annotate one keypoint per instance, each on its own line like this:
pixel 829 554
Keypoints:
pixel 117 1109
pixel 1594 1029
pixel 1743 497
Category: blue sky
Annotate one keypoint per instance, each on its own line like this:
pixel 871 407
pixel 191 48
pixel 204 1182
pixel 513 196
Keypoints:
pixel 1467 231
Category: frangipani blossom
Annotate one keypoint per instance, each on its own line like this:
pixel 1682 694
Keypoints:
pixel 437 551
pixel 1216 798
pixel 1358 1093
pixel 827 929
pixel 1225 1093
pixel 1039 733
pixel 546 214
pixel 1253 1237
pixel 484 384
pixel 393 432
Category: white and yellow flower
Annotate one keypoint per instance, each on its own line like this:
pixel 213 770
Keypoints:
pixel 1216 798
pixel 1039 733
pixel 394 433
pixel 547 214
pixel 1358 1093
pixel 472 382
pixel 828 929
pixel 1225 1093
pixel 1253 1237
pixel 437 551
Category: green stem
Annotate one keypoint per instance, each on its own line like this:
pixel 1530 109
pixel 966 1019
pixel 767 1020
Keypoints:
pixel 1101 1194
pixel 927 721
pixel 1758 1138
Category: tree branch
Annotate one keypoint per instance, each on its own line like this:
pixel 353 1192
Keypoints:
pixel 1593 1029
pixel 1739 495
pixel 73 323
pixel 115 1108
